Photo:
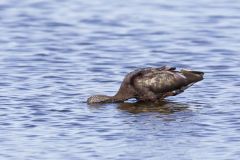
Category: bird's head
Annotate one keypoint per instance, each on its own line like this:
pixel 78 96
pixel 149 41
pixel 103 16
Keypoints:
pixel 98 99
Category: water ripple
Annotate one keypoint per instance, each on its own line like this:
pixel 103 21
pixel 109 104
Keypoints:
pixel 55 54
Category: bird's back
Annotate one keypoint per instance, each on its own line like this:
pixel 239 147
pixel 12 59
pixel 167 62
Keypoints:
pixel 160 81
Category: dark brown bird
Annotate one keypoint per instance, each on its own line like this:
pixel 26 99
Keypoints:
pixel 151 84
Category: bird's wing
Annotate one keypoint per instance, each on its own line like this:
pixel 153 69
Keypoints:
pixel 160 81
pixel 166 68
pixel 165 79
pixel 142 71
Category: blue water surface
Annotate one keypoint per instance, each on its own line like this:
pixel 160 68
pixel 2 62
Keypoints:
pixel 54 54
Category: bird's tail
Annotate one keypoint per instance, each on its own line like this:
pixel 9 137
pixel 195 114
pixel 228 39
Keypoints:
pixel 192 76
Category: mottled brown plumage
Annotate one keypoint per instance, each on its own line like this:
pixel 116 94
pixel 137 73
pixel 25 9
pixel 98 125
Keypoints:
pixel 151 84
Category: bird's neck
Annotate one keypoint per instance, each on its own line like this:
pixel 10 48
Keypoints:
pixel 122 95
pixel 119 97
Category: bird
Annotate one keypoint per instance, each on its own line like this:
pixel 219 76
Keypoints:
pixel 151 84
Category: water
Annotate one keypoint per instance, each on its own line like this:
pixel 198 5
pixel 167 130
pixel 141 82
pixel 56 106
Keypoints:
pixel 54 54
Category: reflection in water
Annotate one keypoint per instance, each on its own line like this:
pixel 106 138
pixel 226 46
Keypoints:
pixel 164 107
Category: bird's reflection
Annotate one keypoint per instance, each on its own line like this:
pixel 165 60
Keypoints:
pixel 164 107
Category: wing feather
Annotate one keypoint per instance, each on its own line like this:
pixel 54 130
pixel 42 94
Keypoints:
pixel 160 81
